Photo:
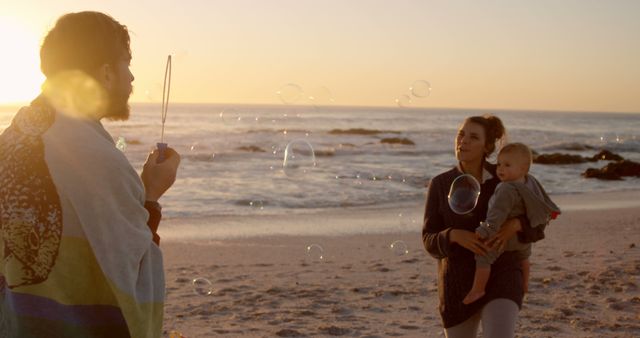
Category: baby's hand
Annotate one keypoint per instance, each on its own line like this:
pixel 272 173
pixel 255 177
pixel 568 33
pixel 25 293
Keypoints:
pixel 508 230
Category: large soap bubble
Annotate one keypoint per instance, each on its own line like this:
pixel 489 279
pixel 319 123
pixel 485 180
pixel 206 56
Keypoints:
pixel 463 194
pixel 315 253
pixel 299 158
pixel 202 286
pixel 420 88
pixel 121 144
pixel 399 248
pixel 230 116
pixel 290 93
pixel 403 101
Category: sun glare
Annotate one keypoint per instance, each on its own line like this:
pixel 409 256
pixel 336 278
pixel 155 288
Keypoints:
pixel 20 76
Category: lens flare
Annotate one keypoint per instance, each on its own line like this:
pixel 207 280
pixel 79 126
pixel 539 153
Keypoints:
pixel 76 93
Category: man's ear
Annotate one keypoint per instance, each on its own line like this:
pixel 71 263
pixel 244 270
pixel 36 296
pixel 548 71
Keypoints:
pixel 104 75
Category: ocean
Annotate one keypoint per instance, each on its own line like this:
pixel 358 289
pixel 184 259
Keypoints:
pixel 233 155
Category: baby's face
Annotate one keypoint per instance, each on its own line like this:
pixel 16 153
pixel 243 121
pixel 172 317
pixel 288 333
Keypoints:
pixel 511 167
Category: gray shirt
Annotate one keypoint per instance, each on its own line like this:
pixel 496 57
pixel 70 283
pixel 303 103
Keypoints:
pixel 513 199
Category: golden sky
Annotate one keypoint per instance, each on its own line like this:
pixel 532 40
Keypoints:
pixel 549 55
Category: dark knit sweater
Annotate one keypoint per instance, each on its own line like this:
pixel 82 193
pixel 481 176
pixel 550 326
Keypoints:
pixel 456 264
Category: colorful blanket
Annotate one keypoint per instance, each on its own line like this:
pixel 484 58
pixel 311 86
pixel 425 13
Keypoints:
pixel 77 258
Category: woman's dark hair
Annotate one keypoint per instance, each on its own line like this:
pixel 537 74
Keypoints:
pixel 83 41
pixel 493 130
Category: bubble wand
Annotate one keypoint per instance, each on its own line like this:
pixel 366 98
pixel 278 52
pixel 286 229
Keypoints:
pixel 166 89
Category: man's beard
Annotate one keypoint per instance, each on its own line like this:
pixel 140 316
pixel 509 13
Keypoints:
pixel 118 106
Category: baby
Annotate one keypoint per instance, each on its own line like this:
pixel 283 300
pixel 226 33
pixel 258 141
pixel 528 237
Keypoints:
pixel 518 194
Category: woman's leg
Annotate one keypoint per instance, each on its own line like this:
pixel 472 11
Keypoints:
pixel 466 329
pixel 499 318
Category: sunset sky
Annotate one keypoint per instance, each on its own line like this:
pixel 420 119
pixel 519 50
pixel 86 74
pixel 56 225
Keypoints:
pixel 550 55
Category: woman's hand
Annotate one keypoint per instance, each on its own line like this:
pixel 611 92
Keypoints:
pixel 508 230
pixel 469 240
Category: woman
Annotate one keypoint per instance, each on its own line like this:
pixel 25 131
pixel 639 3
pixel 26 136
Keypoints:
pixel 451 239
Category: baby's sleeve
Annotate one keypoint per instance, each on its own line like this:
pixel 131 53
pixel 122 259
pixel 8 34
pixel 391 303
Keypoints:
pixel 501 204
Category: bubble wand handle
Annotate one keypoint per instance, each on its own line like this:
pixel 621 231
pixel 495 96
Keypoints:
pixel 166 89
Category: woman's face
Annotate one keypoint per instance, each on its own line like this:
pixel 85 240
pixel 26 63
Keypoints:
pixel 470 142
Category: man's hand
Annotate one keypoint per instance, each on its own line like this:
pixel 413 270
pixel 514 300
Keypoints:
pixel 159 177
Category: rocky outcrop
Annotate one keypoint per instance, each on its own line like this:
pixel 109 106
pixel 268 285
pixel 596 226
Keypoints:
pixel 361 131
pixel 606 155
pixel 558 158
pixel 398 140
pixel 614 170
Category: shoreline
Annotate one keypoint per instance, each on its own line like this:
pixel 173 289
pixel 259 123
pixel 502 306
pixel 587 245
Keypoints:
pixel 401 217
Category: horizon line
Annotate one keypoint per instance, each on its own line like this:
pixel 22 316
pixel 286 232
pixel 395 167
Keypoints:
pixel 550 110
pixel 19 104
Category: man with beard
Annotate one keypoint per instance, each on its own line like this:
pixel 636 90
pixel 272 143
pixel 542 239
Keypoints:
pixel 78 242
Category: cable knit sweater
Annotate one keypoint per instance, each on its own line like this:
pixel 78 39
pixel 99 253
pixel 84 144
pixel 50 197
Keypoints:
pixel 456 264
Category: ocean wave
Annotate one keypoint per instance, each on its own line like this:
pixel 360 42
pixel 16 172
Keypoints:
pixel 572 146
pixel 325 153
pixel 227 166
pixel 361 131
pixel 632 146
pixel 251 149
pixel 200 157
pixel 412 181
pixel 277 131
pixel 346 201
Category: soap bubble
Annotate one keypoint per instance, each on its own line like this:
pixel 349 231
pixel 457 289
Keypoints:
pixel 230 116
pixel 274 162
pixel 463 194
pixel 420 88
pixel 199 152
pixel 257 204
pixel 289 93
pixel 321 96
pixel 397 178
pixel 194 147
pixel 202 287
pixel 154 93
pixel 610 138
pixel 299 158
pixel 399 248
pixel 121 144
pixel 277 150
pixel 359 177
pixel 403 101
pixel 406 219
pixel 315 252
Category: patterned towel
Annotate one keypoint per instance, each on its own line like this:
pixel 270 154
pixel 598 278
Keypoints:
pixel 77 256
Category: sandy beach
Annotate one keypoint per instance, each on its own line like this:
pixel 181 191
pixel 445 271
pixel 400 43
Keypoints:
pixel 585 278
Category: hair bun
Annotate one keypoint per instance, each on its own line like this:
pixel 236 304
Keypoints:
pixel 496 128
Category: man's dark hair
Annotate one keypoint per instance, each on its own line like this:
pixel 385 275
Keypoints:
pixel 83 41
